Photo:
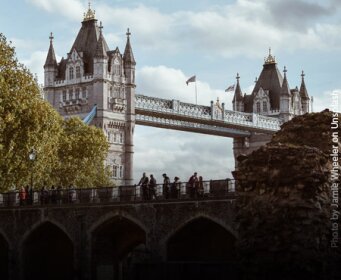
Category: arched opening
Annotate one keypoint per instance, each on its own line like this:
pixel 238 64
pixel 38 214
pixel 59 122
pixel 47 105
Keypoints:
pixel 202 248
pixel 116 245
pixel 4 257
pixel 48 254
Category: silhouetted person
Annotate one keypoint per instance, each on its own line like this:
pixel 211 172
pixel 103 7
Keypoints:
pixel 165 186
pixel 175 188
pixel 144 186
pixel 192 184
pixel 152 187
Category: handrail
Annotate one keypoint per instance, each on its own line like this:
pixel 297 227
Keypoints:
pixel 213 189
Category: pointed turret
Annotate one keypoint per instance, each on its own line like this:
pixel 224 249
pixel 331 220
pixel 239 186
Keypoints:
pixel 303 90
pixel 238 99
pixel 305 100
pixel 101 50
pixel 128 56
pixel 285 91
pixel 285 98
pixel 51 57
pixel 50 66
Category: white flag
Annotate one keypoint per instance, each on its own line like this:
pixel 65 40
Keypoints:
pixel 230 88
pixel 191 80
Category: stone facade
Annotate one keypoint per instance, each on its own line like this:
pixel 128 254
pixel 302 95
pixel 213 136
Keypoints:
pixel 92 75
pixel 271 97
pixel 157 222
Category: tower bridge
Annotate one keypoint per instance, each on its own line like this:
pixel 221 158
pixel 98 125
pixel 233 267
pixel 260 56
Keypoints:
pixel 93 76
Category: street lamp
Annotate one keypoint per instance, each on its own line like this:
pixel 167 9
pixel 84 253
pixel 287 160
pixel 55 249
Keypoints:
pixel 32 156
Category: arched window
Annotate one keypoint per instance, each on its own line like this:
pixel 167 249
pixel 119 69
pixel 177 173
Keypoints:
pixel 78 72
pixel 115 171
pixel 258 107
pixel 71 73
pixel 117 68
pixel 84 95
pixel 70 94
pixel 265 106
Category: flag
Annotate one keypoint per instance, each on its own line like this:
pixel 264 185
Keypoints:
pixel 230 88
pixel 191 80
pixel 90 116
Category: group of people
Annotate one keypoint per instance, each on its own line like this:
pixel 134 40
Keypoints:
pixel 195 187
pixel 54 195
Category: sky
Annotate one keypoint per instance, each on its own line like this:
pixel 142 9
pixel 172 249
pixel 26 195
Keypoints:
pixel 173 40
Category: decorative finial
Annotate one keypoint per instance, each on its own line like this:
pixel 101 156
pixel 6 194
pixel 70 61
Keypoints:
pixel 51 37
pixel 256 80
pixel 100 27
pixel 90 14
pixel 238 77
pixel 128 33
pixel 270 59
pixel 302 75
pixel 285 70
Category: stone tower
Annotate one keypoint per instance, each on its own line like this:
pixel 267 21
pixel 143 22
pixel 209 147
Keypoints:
pixel 270 97
pixel 93 75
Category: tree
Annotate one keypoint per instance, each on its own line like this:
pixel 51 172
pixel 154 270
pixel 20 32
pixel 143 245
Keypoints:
pixel 82 152
pixel 68 151
pixel 26 122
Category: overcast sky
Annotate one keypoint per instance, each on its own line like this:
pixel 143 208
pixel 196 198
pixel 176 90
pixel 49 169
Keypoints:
pixel 173 40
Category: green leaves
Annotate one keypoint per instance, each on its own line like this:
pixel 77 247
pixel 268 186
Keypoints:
pixel 68 152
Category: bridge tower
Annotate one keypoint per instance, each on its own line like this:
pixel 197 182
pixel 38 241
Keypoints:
pixel 271 96
pixel 93 75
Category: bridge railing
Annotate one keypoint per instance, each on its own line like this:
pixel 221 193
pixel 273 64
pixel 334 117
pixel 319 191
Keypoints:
pixel 213 189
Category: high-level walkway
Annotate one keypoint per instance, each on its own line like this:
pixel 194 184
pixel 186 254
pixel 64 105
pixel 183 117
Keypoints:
pixel 214 119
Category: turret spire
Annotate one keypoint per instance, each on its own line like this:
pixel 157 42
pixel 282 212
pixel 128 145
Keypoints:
pixel 100 47
pixel 128 52
pixel 303 89
pixel 238 95
pixel 51 57
pixel 285 86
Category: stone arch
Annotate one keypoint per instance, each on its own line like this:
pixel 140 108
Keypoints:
pixel 4 256
pixel 201 215
pixel 117 241
pixel 114 215
pixel 201 239
pixel 38 224
pixel 47 251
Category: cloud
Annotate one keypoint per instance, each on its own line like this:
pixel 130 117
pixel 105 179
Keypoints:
pixel 170 83
pixel 71 9
pixel 244 27
pixel 176 153
pixel 35 63
pixel 325 100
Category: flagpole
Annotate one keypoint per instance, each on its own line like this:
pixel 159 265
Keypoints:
pixel 196 93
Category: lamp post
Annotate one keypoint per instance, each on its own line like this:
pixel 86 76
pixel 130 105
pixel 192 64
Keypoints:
pixel 32 157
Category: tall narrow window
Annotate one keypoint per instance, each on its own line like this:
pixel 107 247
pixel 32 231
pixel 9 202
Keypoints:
pixel 117 71
pixel 121 138
pixel 71 73
pixel 121 171
pixel 265 106
pixel 84 93
pixel 115 171
pixel 258 107
pixel 64 95
pixel 77 93
pixel 70 94
pixel 78 72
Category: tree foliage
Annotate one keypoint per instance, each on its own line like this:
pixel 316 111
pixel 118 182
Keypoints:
pixel 68 152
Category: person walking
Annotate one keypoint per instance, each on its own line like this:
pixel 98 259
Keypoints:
pixel 152 187
pixel 144 186
pixel 175 188
pixel 192 183
pixel 165 186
